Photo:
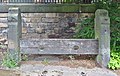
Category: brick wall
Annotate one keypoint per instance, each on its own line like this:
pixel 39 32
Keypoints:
pixel 47 25
pixel 44 25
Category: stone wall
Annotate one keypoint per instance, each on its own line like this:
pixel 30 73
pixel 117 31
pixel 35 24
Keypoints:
pixel 3 32
pixel 44 25
pixel 49 25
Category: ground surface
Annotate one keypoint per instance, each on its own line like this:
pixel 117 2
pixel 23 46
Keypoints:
pixel 69 61
pixel 50 70
pixel 72 65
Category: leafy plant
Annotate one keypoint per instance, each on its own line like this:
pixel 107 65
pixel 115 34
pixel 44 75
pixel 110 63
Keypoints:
pixel 68 1
pixel 71 1
pixel 24 57
pixel 85 29
pixel 10 60
pixel 45 61
pixel 115 60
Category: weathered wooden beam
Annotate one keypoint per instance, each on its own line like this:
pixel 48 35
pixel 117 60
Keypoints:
pixel 102 33
pixel 50 8
pixel 59 46
pixel 14 32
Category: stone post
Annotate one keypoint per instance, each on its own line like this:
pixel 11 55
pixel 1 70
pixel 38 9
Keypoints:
pixel 14 32
pixel 102 33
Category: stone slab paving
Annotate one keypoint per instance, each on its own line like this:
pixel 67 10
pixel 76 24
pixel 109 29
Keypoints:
pixel 49 70
pixel 47 58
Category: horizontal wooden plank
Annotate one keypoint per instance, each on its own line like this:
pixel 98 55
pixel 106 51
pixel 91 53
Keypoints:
pixel 50 8
pixel 59 46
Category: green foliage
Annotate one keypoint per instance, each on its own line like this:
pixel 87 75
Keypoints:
pixel 115 60
pixel 86 29
pixel 71 1
pixel 68 1
pixel 45 61
pixel 10 60
pixel 24 57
